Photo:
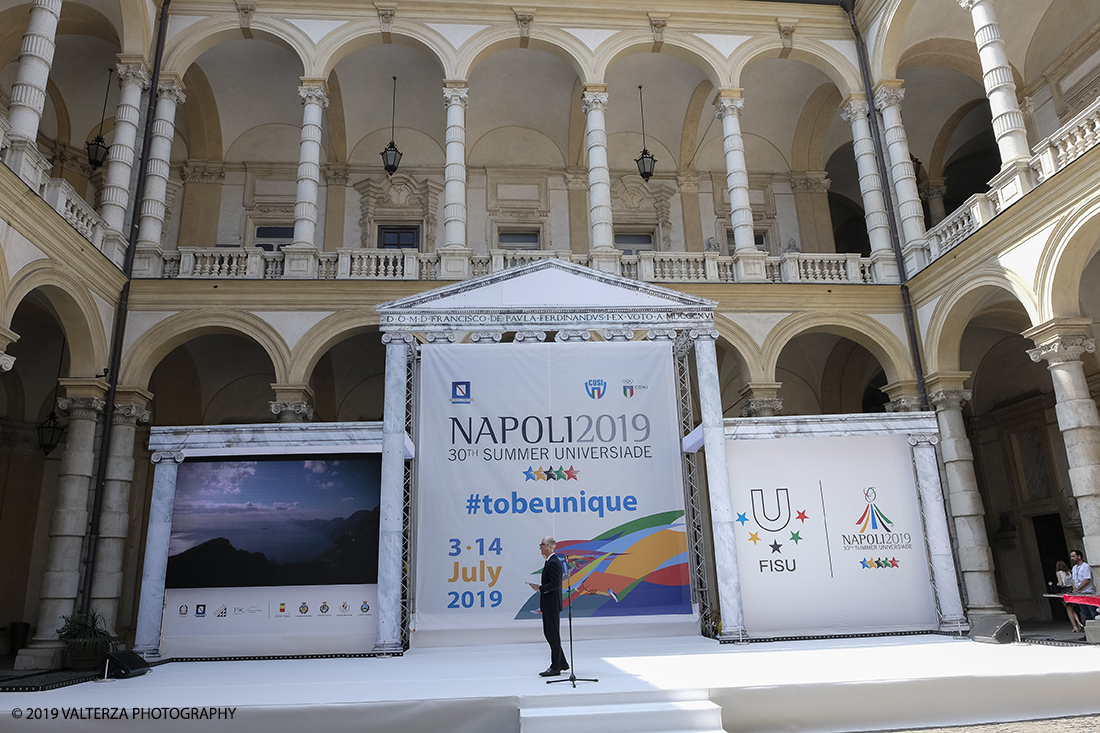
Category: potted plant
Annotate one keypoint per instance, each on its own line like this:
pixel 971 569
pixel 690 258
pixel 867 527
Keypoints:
pixel 87 640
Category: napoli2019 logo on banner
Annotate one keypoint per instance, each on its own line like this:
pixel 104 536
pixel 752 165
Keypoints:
pixel 872 515
pixel 460 393
pixel 595 388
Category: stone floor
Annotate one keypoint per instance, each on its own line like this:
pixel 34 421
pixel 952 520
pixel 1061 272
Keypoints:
pixel 1086 724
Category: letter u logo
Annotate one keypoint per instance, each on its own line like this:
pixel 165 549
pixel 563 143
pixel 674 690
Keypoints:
pixel 776 521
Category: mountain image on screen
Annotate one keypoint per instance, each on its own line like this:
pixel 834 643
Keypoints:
pixel 348 555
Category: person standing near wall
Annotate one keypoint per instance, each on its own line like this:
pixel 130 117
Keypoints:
pixel 1082 583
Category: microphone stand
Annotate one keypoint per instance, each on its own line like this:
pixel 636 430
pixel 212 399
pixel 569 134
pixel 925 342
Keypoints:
pixel 572 678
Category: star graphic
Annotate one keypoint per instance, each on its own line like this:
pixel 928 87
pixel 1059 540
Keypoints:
pixel 560 473
pixel 863 562
pixel 550 475
pixel 893 562
pixel 795 537
pixel 571 473
pixel 530 474
pixel 883 564
pixel 741 518
pixel 539 475
pixel 802 516
pixel 775 547
pixel 754 537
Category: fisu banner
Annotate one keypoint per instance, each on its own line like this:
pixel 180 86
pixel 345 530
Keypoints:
pixel 829 535
pixel 575 441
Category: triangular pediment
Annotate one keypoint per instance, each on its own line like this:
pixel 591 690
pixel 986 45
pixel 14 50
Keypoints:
pixel 549 293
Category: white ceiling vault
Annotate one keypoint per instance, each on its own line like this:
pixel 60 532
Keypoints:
pixel 523 101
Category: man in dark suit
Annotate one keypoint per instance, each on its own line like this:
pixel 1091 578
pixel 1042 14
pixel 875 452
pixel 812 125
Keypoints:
pixel 550 605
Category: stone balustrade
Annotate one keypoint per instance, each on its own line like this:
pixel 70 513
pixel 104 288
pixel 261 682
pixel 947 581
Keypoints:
pixel 5 125
pixel 253 263
pixel 960 224
pixel 1072 140
pixel 1068 144
pixel 72 207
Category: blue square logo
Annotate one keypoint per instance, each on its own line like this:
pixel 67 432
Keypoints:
pixel 460 393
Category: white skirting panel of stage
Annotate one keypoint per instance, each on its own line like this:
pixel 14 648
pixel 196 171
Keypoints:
pixel 652 684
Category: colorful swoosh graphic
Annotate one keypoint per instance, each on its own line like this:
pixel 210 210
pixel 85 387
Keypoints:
pixel 636 569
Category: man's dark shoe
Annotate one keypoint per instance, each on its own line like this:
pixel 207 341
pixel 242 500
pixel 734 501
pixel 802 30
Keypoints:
pixel 550 672
pixel 564 667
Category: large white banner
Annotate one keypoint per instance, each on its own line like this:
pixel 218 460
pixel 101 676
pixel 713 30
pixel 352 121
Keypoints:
pixel 829 535
pixel 520 441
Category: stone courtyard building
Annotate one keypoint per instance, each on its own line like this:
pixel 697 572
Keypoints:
pixel 269 231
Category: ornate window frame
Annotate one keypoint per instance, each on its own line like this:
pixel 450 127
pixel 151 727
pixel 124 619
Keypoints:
pixel 400 199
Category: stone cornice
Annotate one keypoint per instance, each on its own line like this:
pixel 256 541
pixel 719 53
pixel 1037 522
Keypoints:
pixel 329 295
pixel 705 16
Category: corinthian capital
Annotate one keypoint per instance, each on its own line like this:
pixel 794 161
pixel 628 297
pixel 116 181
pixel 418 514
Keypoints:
pixel 81 408
pixel 135 73
pixel 1059 349
pixel 594 100
pixel 171 89
pixel 313 94
pixel 129 414
pixel 856 109
pixel 949 399
pixel 967 4
pixel 456 95
pixel 728 106
pixel 889 96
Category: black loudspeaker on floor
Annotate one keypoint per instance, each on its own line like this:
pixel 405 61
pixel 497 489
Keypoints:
pixel 124 664
pixel 995 630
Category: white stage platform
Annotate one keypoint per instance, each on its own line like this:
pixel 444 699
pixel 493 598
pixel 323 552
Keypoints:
pixel 653 684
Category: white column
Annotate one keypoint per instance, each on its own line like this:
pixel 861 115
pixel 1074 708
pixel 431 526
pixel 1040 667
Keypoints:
pixel 133 79
pixel 601 230
pixel 391 500
pixel 314 101
pixel 1061 343
pixel 870 184
pixel 454 206
pixel 114 519
pixel 936 535
pixel 61 580
pixel 718 485
pixel 28 93
pixel 888 102
pixel 975 556
pixel 933 194
pixel 169 95
pixel 737 175
pixel 454 257
pixel 155 566
pixel 1000 89
pixel 749 262
pixel 871 188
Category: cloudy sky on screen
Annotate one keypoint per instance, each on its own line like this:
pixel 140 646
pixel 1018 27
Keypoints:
pixel 250 502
